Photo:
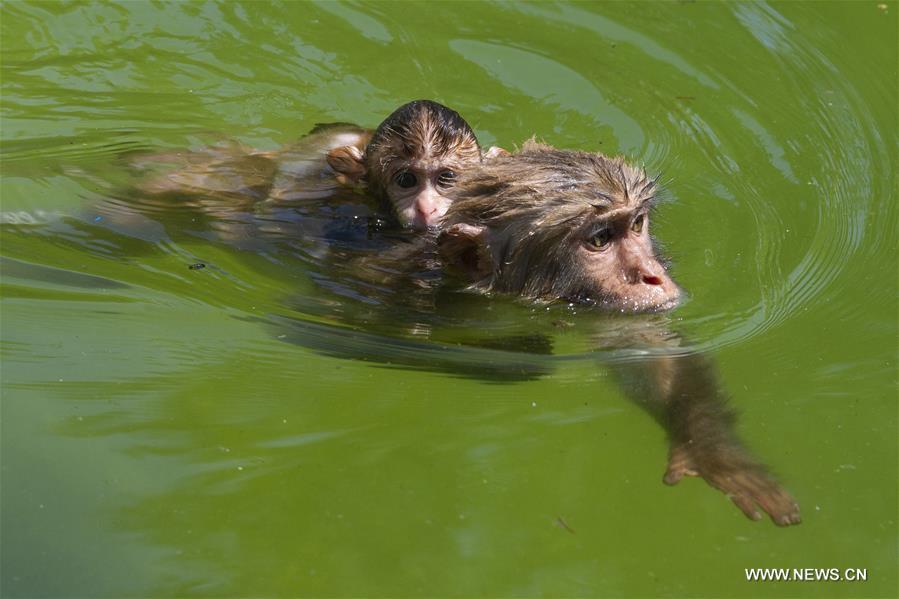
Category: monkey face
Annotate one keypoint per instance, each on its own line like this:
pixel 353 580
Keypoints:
pixel 608 262
pixel 619 266
pixel 554 224
pixel 416 191
pixel 411 160
pixel 413 178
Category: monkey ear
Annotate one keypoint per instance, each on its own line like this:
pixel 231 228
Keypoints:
pixel 464 249
pixel 496 151
pixel 348 163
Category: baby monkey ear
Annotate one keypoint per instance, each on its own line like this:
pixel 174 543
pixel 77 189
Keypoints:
pixel 464 249
pixel 348 163
pixel 495 152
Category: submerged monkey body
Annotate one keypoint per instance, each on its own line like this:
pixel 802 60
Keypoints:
pixel 243 177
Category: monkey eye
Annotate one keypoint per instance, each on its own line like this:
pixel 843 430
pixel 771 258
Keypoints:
pixel 406 180
pixel 446 178
pixel 637 226
pixel 601 239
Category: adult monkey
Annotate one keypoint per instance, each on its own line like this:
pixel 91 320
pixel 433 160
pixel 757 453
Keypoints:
pixel 549 224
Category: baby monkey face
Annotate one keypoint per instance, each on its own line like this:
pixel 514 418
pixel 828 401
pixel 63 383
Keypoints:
pixel 412 160
pixel 417 188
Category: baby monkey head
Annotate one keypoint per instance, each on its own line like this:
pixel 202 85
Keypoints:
pixel 412 160
pixel 553 224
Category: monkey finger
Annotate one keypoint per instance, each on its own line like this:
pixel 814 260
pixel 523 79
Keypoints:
pixel 782 508
pixel 672 476
pixel 679 465
pixel 789 518
pixel 770 496
pixel 676 472
pixel 746 505
pixel 759 488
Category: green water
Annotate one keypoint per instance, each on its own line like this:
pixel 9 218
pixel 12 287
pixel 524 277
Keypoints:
pixel 176 432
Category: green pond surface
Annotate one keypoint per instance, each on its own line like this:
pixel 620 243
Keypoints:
pixel 261 427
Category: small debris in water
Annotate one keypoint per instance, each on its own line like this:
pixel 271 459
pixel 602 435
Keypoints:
pixel 564 525
pixel 196 266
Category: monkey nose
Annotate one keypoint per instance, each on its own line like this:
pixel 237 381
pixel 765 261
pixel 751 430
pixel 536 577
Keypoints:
pixel 428 213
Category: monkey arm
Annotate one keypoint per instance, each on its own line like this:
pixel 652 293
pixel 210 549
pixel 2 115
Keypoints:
pixel 700 426
pixel 681 391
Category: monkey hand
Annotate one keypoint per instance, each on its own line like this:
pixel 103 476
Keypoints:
pixel 731 471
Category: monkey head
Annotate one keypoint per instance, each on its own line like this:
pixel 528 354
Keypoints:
pixel 412 160
pixel 553 224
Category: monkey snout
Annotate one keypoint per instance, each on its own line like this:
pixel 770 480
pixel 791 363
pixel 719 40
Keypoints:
pixel 430 208
pixel 639 273
pixel 425 217
pixel 426 210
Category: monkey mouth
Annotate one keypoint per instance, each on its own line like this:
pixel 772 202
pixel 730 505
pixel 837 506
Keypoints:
pixel 628 305
pixel 668 304
pixel 644 307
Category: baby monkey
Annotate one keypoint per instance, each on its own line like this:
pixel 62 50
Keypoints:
pixel 408 163
pixel 412 160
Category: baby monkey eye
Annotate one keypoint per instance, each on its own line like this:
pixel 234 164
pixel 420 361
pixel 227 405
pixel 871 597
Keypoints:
pixel 637 226
pixel 601 238
pixel 406 180
pixel 446 178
